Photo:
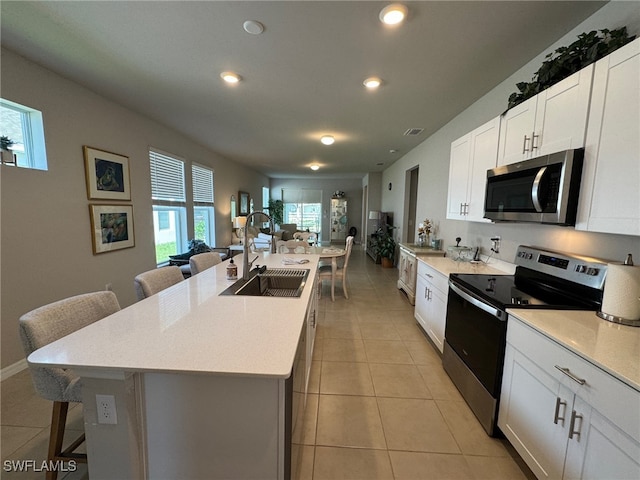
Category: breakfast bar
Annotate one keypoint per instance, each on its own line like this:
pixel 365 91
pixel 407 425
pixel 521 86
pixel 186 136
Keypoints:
pixel 204 385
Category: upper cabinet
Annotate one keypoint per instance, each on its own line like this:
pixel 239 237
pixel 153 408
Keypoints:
pixel 471 157
pixel 610 194
pixel 553 120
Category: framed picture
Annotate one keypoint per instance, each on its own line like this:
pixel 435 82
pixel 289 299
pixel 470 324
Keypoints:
pixel 107 175
pixel 111 227
pixel 244 203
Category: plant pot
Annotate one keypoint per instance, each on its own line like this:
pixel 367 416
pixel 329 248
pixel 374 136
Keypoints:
pixel 8 157
pixel 387 262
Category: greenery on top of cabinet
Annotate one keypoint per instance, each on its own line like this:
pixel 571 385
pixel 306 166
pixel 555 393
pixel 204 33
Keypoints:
pixel 565 61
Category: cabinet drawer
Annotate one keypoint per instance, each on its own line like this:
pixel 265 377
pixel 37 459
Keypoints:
pixel 611 397
pixel 431 275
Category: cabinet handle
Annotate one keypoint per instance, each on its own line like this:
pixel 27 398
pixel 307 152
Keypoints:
pixel 430 276
pixel 557 417
pixel 524 144
pixel 533 141
pixel 572 429
pixel 568 373
pixel 461 209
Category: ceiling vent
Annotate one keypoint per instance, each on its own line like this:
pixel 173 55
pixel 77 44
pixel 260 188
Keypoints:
pixel 412 132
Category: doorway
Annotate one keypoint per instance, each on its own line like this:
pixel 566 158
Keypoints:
pixel 411 200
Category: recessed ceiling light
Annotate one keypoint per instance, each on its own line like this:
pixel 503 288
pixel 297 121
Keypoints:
pixel 253 27
pixel 372 82
pixel 393 150
pixel 314 167
pixel 327 139
pixel 230 77
pixel 393 14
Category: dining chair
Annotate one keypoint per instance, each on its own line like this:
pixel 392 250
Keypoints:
pixel 325 271
pixel 291 246
pixel 309 237
pixel 45 325
pixel 154 281
pixel 202 261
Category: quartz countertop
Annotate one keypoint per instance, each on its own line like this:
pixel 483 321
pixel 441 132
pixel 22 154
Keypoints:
pixel 446 266
pixel 190 328
pixel 612 347
pixel 422 250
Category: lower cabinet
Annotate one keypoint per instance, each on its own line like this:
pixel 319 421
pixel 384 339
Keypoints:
pixel 407 274
pixel 431 303
pixel 566 417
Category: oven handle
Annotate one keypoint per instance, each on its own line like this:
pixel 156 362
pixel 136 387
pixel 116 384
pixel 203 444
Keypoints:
pixel 468 296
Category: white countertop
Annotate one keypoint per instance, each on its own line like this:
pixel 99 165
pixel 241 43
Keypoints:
pixel 612 347
pixel 424 250
pixel 190 328
pixel 446 266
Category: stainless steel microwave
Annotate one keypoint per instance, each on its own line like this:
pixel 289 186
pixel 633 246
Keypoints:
pixel 540 190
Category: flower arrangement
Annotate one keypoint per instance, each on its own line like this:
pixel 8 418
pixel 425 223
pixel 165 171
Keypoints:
pixel 426 227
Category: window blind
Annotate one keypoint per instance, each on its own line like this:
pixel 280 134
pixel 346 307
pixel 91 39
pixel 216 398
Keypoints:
pixel 167 177
pixel 290 195
pixel 202 179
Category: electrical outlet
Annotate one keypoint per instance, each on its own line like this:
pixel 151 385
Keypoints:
pixel 496 244
pixel 107 409
pixel 109 287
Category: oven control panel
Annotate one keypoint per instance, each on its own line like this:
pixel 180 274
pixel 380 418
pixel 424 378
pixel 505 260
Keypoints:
pixel 586 271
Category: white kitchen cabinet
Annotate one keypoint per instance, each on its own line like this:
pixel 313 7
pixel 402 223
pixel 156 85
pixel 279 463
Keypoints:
pixel 576 423
pixel 407 273
pixel 610 194
pixel 431 303
pixel 553 120
pixel 471 157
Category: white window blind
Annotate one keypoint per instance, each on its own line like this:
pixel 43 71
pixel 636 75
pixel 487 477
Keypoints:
pixel 167 177
pixel 290 195
pixel 202 179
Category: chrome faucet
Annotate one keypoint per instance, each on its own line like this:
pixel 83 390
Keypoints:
pixel 246 264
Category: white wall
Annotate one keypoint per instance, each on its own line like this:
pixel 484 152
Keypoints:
pixel 432 156
pixel 353 193
pixel 46 236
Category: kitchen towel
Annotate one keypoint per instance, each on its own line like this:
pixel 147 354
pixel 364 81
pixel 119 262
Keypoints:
pixel 621 297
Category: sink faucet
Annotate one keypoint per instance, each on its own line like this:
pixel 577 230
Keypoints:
pixel 246 264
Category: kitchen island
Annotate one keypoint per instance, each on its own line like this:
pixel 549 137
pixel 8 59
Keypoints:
pixel 202 383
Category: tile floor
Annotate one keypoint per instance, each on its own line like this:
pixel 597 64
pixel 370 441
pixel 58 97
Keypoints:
pixel 380 407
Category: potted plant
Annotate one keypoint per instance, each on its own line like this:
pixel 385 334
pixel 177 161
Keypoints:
pixel 276 211
pixel 386 246
pixel 7 155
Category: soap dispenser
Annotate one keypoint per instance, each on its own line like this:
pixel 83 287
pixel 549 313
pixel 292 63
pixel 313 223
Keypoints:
pixel 232 270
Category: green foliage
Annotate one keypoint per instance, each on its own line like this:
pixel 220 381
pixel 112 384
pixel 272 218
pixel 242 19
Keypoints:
pixel 565 61
pixel 385 243
pixel 5 142
pixel 276 211
pixel 164 250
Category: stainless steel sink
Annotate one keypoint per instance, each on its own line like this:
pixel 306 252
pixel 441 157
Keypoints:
pixel 274 282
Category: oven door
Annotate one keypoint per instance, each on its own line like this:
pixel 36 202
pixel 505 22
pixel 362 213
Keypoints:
pixel 477 332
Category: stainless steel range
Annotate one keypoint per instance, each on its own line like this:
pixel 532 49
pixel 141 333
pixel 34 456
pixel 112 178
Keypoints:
pixel 475 332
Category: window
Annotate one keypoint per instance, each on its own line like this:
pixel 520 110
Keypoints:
pixel 304 208
pixel 24 127
pixel 169 204
pixel 203 211
pixel 265 199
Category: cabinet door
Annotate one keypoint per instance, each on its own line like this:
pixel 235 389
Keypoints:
pixel 534 414
pixel 436 317
pixel 410 272
pixel 561 114
pixel 421 308
pixel 484 151
pixel 402 266
pixel 599 449
pixel 516 128
pixel 458 178
pixel 610 197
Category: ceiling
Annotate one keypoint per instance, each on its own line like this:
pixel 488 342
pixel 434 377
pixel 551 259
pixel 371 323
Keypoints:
pixel 302 77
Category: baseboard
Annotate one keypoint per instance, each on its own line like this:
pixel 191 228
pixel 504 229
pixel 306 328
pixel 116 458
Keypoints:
pixel 11 370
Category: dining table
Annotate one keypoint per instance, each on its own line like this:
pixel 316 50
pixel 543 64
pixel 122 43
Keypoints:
pixel 325 253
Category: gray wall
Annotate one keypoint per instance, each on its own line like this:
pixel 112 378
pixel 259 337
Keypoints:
pixel 432 156
pixel 351 187
pixel 46 236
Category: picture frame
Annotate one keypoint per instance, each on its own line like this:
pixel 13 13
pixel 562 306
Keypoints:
pixel 243 203
pixel 111 227
pixel 107 175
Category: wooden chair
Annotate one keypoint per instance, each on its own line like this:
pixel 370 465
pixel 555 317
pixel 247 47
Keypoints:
pixel 309 237
pixel 202 261
pixel 48 324
pixel 291 246
pixel 325 271
pixel 154 281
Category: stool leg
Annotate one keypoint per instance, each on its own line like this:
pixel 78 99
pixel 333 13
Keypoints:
pixel 58 422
